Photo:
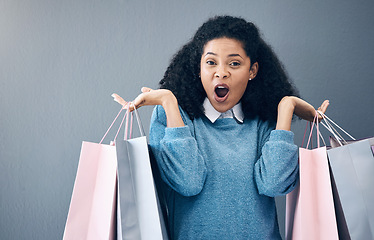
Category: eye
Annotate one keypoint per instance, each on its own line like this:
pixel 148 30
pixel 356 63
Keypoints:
pixel 210 62
pixel 235 64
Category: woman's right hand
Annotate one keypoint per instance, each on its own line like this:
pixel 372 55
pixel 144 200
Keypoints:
pixel 147 97
pixel 162 97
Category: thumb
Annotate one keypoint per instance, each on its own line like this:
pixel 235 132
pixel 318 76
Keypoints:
pixel 146 89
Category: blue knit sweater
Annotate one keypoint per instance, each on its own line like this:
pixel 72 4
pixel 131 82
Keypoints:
pixel 222 176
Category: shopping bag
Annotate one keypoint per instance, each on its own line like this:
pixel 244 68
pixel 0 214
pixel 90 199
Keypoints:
pixel 92 209
pixel 139 211
pixel 310 211
pixel 352 164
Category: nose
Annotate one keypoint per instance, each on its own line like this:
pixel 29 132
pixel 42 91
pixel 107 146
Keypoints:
pixel 222 73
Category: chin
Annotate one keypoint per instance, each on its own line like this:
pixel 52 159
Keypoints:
pixel 222 107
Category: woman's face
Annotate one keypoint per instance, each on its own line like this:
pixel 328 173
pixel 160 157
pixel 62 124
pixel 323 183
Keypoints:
pixel 225 72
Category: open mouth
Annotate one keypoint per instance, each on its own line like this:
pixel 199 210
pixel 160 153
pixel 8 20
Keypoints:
pixel 221 92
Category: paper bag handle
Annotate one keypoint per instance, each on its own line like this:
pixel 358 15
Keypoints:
pixel 328 125
pixel 111 125
pixel 319 136
pixel 127 129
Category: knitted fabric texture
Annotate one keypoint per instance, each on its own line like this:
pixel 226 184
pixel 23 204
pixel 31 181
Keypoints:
pixel 222 177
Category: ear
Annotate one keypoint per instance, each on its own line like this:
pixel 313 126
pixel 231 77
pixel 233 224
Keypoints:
pixel 253 71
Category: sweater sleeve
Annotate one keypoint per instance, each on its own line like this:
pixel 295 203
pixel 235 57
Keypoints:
pixel 181 165
pixel 277 169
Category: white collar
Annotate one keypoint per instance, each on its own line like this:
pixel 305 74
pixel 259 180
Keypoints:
pixel 212 114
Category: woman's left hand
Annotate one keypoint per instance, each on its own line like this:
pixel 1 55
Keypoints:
pixel 290 105
pixel 307 111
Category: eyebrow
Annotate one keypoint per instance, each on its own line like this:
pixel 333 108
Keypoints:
pixel 210 53
pixel 230 55
pixel 235 55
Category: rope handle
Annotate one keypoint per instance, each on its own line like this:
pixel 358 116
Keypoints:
pixel 319 135
pixel 128 127
pixel 111 125
pixel 128 130
pixel 329 126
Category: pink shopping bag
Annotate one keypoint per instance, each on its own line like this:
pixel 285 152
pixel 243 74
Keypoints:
pixel 92 211
pixel 310 212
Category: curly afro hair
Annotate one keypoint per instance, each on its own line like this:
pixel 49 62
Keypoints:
pixel 262 94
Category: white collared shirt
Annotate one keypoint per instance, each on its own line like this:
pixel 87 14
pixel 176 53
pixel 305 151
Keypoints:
pixel 212 114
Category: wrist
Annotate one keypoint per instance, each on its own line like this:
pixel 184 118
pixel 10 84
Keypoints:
pixel 287 104
pixel 170 105
pixel 286 109
pixel 169 100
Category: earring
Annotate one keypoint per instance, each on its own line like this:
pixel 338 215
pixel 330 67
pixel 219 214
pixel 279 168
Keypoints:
pixel 250 79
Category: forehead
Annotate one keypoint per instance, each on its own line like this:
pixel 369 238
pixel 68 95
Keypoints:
pixel 225 45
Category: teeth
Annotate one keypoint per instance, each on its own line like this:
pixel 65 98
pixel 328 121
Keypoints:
pixel 221 91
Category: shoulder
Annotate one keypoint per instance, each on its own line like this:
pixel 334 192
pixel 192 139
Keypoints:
pixel 159 115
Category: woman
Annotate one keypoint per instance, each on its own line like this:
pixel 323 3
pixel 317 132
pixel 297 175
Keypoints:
pixel 221 133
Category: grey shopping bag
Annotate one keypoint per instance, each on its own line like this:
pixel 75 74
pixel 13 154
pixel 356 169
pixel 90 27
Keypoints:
pixel 352 165
pixel 139 211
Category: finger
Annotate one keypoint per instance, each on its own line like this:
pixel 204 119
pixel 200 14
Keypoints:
pixel 323 109
pixel 118 99
pixel 138 101
pixel 324 106
pixel 146 89
pixel 130 106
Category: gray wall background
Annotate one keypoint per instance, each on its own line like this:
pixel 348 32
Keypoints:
pixel 61 60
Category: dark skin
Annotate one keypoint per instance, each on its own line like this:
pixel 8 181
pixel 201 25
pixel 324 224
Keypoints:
pixel 165 98
pixel 216 66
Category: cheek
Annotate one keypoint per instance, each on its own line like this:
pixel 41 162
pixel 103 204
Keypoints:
pixel 204 71
pixel 240 88
pixel 205 78
pixel 206 83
